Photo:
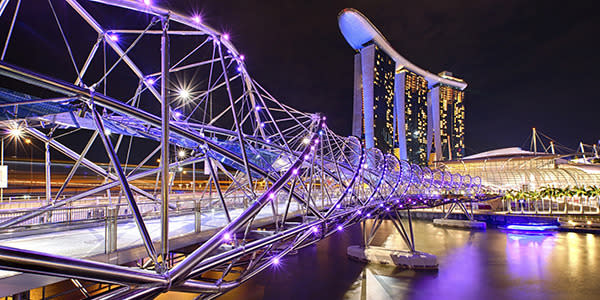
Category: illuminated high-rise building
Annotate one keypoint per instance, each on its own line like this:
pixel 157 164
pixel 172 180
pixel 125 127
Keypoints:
pixel 450 143
pixel 419 116
pixel 412 95
pixel 374 116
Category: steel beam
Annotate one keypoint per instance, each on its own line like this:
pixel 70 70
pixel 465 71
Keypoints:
pixel 137 216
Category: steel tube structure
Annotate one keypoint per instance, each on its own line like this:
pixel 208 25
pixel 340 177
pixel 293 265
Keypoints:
pixel 260 152
pixel 164 150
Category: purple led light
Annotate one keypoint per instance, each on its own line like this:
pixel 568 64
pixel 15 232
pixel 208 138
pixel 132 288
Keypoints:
pixel 227 236
pixel 340 228
pixel 262 125
pixel 177 114
pixel 380 204
pixel 387 209
pixel 315 229
pixel 306 157
pixel 312 148
pixel 359 212
pixel 147 2
pixel 113 37
pixel 257 108
pixel 275 260
pixel 242 57
pixel 272 196
pixel 295 171
pixel 226 36
pixel 150 80
pixel 368 215
pixel 339 206
pixel 316 141
pixel 196 19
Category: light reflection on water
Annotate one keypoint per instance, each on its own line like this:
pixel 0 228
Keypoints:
pixel 490 264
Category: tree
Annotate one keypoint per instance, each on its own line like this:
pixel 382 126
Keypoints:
pixel 594 192
pixel 549 193
pixel 534 195
pixel 579 192
pixel 509 196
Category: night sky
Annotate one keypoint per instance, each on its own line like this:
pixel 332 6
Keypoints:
pixel 528 63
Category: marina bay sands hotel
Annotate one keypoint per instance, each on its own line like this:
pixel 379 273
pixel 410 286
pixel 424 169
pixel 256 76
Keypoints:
pixel 399 107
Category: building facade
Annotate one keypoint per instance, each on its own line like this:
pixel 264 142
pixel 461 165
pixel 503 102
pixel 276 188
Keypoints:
pixel 451 144
pixel 398 107
pixel 413 98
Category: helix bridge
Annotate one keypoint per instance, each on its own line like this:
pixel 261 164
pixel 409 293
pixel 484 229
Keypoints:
pixel 130 82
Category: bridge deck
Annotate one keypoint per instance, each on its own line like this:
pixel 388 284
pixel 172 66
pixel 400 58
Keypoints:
pixel 89 242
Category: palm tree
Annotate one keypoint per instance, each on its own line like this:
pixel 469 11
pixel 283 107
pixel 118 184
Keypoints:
pixel 520 197
pixel 547 192
pixel 579 191
pixel 534 195
pixel 588 194
pixel 509 196
pixel 595 193
pixel 567 193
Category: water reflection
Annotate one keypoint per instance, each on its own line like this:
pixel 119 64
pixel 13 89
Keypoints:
pixel 488 264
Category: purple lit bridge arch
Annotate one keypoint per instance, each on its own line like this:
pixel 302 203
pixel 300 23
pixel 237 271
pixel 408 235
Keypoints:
pixel 137 85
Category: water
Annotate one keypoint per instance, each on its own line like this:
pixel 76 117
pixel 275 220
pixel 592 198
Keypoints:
pixel 490 264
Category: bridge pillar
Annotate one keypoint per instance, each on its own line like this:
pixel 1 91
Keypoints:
pixel 110 235
pixel 470 222
pixel 410 259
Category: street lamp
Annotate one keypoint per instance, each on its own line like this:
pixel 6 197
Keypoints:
pixel 184 94
pixel 14 133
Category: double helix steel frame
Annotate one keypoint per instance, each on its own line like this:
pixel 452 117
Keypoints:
pixel 273 155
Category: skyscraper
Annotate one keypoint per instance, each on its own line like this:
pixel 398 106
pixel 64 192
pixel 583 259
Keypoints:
pixel 412 95
pixel 417 115
pixel 374 116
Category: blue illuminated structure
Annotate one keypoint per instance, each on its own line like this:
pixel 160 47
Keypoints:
pixel 531 227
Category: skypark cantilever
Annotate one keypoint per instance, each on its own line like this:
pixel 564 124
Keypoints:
pixel 432 121
pixel 359 31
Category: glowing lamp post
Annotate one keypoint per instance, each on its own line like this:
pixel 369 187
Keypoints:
pixel 14 133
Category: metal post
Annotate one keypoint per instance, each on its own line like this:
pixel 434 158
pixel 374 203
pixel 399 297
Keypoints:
pixel 164 161
pixel 2 164
pixel 534 135
pixel 47 168
pixel 114 159
pixel 197 215
pixel 194 180
pixel 110 232
pixel 412 237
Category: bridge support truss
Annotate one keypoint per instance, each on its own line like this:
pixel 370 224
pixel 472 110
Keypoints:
pixel 270 166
